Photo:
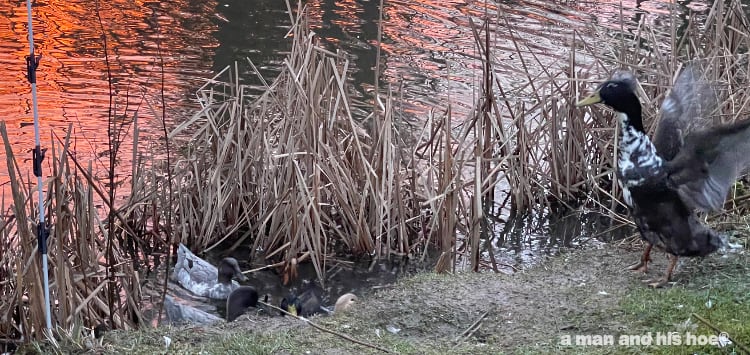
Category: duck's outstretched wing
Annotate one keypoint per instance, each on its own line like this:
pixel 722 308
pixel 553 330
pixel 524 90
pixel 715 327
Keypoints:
pixel 709 163
pixel 688 107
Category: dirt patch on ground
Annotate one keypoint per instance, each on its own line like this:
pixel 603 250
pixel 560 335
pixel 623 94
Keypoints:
pixel 578 292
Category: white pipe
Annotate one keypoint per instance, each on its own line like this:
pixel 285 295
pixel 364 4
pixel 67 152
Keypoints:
pixel 37 142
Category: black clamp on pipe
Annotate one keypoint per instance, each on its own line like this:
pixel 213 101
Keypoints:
pixel 38 156
pixel 32 62
pixel 42 232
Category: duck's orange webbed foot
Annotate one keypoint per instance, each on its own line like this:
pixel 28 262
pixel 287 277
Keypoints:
pixel 642 266
pixel 664 281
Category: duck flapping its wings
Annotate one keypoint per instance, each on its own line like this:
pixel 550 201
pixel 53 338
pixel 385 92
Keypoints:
pixel 704 159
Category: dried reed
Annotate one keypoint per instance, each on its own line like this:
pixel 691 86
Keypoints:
pixel 295 175
pixel 76 255
pixel 292 167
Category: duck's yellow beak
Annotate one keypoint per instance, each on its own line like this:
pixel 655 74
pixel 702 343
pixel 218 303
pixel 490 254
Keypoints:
pixel 592 99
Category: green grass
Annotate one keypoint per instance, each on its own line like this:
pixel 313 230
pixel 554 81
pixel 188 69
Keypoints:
pixel 241 340
pixel 721 297
pixel 152 341
pixel 635 310
pixel 726 283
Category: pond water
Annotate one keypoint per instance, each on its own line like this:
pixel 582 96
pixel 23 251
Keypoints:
pixel 428 54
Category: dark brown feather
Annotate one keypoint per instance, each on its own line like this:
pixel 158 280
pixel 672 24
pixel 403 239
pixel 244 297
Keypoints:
pixel 669 224
pixel 709 163
pixel 689 107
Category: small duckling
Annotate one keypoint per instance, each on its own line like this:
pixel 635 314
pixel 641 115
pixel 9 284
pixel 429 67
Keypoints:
pixel 309 302
pixel 239 300
pixel 344 303
pixel 100 329
pixel 306 303
pixel 203 279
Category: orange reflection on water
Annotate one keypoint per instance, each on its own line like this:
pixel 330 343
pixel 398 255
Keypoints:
pixel 629 13
pixel 429 49
pixel 73 87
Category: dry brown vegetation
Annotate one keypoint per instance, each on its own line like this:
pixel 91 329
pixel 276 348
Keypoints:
pixel 295 176
pixel 79 278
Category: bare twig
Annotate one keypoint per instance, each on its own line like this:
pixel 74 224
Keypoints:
pixel 716 329
pixel 321 328
pixel 473 327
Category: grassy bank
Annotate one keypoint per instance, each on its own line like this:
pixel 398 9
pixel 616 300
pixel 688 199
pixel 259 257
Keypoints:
pixel 581 293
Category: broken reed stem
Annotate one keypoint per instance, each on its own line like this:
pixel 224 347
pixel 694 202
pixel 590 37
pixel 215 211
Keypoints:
pixel 88 176
pixel 472 328
pixel 272 266
pixel 716 329
pixel 321 328
pixel 170 188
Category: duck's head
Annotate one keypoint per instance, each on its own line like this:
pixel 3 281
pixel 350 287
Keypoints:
pixel 619 94
pixel 291 305
pixel 344 303
pixel 306 303
pixel 239 300
pixel 229 268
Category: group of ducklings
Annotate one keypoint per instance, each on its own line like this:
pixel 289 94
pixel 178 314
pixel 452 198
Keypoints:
pixel 205 280
pixel 309 301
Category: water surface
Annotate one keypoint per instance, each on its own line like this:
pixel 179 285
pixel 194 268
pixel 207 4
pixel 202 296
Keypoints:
pixel 429 58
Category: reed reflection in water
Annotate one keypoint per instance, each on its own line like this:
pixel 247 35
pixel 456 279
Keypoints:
pixel 428 52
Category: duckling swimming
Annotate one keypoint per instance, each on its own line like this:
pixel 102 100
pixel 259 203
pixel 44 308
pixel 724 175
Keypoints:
pixel 204 279
pixel 687 168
